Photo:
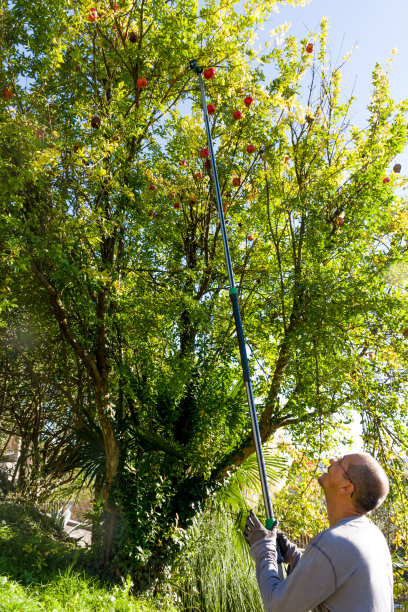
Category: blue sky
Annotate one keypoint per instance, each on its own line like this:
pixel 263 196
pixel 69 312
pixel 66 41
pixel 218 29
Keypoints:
pixel 374 26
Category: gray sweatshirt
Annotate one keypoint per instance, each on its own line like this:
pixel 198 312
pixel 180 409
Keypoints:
pixel 346 568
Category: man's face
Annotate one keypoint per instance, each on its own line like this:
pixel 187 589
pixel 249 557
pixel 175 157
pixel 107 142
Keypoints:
pixel 336 474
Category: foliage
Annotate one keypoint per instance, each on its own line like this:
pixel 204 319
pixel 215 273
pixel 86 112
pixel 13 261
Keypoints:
pixel 217 572
pixel 214 570
pixel 33 546
pixel 299 505
pixel 88 460
pixel 36 568
pixel 36 388
pixel 244 487
pixel 71 590
pixel 115 302
pixel 391 518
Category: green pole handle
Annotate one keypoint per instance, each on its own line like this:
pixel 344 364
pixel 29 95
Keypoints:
pixel 270 523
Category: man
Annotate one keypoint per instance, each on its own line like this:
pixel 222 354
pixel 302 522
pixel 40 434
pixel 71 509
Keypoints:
pixel 346 568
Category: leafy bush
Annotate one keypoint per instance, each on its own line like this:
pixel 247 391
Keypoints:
pixel 33 546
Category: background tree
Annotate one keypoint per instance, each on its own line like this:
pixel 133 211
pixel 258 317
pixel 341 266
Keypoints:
pixel 43 397
pixel 109 222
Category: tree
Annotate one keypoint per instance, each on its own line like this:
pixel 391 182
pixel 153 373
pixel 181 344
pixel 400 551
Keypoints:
pixel 96 148
pixel 42 399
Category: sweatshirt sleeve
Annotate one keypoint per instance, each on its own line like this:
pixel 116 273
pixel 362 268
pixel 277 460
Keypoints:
pixel 310 584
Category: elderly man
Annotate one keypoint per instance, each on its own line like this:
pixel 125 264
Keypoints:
pixel 346 568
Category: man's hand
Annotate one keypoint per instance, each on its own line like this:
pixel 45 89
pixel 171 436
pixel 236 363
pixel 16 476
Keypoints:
pixel 283 543
pixel 288 550
pixel 255 531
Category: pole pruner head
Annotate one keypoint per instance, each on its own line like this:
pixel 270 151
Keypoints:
pixel 195 67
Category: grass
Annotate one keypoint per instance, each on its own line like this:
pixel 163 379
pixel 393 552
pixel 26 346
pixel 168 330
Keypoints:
pixel 37 572
pixel 70 591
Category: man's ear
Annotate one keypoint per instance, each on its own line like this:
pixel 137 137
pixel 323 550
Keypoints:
pixel 346 489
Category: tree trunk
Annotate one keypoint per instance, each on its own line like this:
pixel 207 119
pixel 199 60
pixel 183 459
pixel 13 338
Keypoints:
pixel 112 455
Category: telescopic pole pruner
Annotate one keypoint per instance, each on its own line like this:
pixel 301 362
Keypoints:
pixel 233 293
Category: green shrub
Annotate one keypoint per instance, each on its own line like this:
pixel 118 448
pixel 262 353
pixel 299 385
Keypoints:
pixel 33 546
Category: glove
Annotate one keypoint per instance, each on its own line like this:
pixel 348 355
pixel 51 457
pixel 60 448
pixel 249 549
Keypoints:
pixel 255 531
pixel 287 548
pixel 283 543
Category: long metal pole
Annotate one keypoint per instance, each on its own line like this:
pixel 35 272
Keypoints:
pixel 237 315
